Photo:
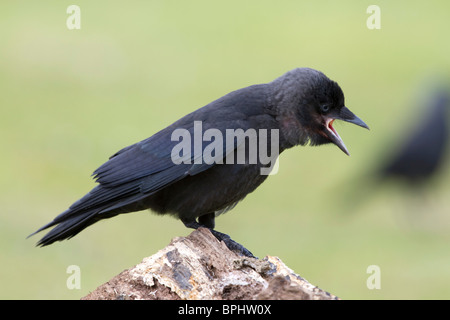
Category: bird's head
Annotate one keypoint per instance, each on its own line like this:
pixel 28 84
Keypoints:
pixel 308 103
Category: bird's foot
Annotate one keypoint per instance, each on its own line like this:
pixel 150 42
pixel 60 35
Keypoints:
pixel 232 245
pixel 207 221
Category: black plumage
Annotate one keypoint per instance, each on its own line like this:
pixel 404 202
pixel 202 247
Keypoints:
pixel 419 157
pixel 302 105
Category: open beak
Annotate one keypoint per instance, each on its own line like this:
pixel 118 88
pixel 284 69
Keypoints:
pixel 345 115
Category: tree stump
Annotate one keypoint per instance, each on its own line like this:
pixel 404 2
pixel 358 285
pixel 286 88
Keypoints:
pixel 199 267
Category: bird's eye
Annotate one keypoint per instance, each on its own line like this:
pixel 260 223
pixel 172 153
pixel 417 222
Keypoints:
pixel 325 108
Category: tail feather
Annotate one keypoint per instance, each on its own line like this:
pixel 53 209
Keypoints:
pixel 94 206
pixel 68 228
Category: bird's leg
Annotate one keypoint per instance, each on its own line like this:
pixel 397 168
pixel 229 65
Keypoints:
pixel 207 221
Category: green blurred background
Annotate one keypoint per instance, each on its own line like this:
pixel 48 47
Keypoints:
pixel 71 98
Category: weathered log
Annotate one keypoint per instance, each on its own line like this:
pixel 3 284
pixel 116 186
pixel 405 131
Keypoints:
pixel 200 267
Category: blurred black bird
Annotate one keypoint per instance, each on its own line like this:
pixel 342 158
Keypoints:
pixel 302 105
pixel 419 157
pixel 413 161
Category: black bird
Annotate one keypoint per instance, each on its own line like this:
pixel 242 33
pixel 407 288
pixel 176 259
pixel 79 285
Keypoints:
pixel 413 161
pixel 417 159
pixel 301 104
